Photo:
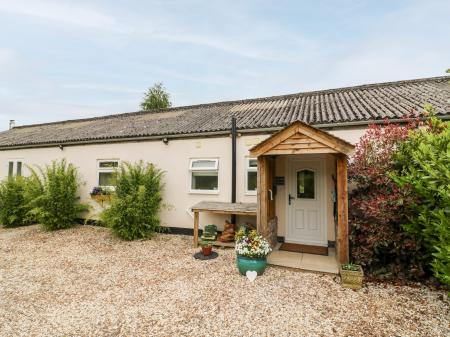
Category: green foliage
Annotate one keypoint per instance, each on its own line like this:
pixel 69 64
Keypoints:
pixel 350 266
pixel 156 98
pixel 57 206
pixel 377 208
pixel 135 206
pixel 423 170
pixel 13 210
pixel 205 243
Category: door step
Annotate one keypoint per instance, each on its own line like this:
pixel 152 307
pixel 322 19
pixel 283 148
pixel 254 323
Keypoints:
pixel 298 248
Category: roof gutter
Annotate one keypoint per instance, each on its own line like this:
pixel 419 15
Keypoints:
pixel 206 134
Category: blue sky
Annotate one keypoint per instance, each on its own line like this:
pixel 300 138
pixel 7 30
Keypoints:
pixel 74 59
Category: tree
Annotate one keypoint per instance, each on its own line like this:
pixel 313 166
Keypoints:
pixel 377 207
pixel 156 98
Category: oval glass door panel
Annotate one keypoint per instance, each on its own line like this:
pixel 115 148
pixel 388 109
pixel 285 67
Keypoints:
pixel 306 184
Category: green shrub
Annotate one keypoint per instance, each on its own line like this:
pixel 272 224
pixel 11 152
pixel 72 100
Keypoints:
pixel 135 205
pixel 57 207
pixel 13 204
pixel 423 169
pixel 377 209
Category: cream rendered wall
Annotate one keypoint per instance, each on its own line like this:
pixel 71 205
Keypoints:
pixel 350 135
pixel 174 159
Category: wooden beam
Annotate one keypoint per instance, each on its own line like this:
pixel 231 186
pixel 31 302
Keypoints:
pixel 266 206
pixel 273 140
pixel 298 133
pixel 270 178
pixel 196 221
pixel 225 212
pixel 301 151
pixel 342 205
pixel 262 200
pixel 299 146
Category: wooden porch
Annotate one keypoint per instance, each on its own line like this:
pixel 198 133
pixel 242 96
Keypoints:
pixel 298 139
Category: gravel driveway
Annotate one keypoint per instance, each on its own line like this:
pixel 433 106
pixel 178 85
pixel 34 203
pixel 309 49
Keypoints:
pixel 84 282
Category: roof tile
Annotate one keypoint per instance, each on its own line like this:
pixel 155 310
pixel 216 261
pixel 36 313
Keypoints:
pixel 352 104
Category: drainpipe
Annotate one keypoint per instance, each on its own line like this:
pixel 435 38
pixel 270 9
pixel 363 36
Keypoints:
pixel 233 165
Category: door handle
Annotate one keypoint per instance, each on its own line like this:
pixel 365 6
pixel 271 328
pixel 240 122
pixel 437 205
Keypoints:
pixel 271 195
pixel 290 198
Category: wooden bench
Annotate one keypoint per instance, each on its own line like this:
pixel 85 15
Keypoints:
pixel 215 207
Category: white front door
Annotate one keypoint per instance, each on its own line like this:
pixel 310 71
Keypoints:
pixel 306 202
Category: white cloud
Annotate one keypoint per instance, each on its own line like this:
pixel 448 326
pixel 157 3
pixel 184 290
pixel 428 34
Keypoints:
pixel 10 64
pixel 101 87
pixel 405 44
pixel 60 12
pixel 253 42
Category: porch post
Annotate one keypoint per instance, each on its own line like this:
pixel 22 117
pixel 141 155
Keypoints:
pixel 266 224
pixel 261 212
pixel 342 208
pixel 196 222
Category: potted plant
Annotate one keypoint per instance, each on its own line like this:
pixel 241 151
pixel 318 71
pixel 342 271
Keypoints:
pixel 351 275
pixel 251 250
pixel 101 194
pixel 206 247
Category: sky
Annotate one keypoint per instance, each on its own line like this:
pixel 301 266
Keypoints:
pixel 75 59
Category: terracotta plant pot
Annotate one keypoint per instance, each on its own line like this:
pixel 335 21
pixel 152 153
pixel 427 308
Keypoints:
pixel 351 279
pixel 206 250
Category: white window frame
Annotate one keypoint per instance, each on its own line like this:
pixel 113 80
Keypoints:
pixel 15 161
pixel 106 170
pixel 248 169
pixel 203 169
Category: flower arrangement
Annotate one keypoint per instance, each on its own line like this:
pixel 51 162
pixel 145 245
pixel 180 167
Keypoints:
pixel 98 190
pixel 251 244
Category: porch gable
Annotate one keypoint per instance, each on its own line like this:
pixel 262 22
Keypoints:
pixel 299 139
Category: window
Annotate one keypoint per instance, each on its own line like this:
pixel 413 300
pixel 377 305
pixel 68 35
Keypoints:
pixel 251 175
pixel 106 172
pixel 14 168
pixel 204 175
pixel 305 184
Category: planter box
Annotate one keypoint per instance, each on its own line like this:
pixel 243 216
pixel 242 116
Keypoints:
pixel 101 198
pixel 351 279
pixel 245 264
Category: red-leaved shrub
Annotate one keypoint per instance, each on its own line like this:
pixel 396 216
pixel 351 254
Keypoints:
pixel 377 206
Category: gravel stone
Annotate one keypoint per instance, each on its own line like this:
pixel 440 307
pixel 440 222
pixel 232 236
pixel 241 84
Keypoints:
pixel 85 282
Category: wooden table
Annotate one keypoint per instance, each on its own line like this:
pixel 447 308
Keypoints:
pixel 215 207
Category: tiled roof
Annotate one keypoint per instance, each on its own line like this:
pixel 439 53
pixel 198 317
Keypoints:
pixel 359 104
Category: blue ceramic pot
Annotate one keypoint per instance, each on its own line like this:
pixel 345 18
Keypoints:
pixel 245 263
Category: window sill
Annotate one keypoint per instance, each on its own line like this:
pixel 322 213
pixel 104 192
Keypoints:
pixel 204 191
pixel 250 193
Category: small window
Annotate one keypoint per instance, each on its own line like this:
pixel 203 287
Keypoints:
pixel 251 175
pixel 204 174
pixel 305 184
pixel 108 164
pixel 106 173
pixel 19 168
pixel 10 169
pixel 14 168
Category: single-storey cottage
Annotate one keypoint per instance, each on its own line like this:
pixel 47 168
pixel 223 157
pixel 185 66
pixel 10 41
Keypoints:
pixel 287 154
